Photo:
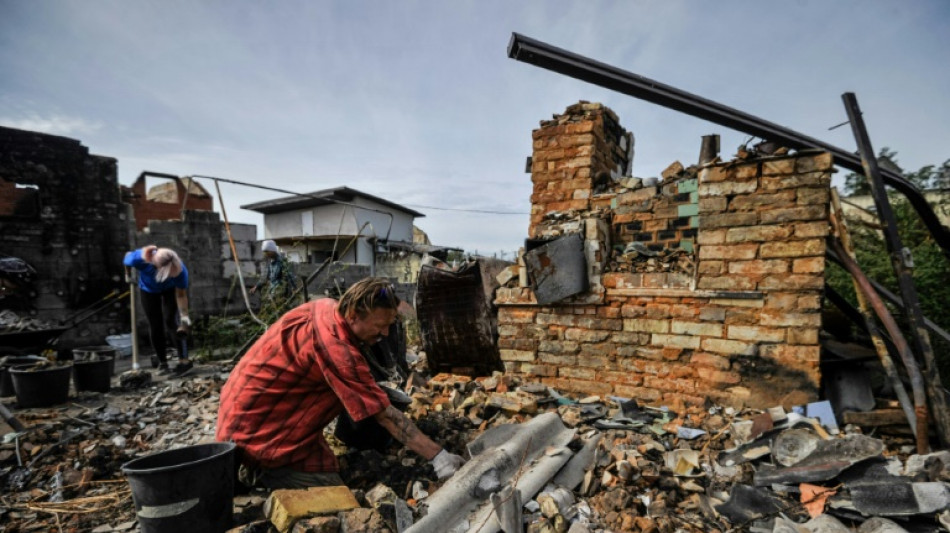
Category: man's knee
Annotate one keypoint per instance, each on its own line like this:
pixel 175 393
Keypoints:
pixel 287 478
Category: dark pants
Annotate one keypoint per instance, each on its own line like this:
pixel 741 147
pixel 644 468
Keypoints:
pixel 161 311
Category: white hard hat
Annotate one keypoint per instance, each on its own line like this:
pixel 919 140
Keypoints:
pixel 268 246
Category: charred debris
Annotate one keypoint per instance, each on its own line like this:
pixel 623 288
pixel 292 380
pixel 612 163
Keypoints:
pixel 657 360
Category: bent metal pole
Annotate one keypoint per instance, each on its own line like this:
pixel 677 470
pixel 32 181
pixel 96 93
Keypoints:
pixel 903 263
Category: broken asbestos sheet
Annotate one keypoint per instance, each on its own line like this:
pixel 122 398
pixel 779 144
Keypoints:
pixel 523 457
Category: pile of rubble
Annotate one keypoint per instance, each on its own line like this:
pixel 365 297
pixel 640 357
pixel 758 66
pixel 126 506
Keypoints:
pixel 538 462
pixel 636 257
pixel 11 322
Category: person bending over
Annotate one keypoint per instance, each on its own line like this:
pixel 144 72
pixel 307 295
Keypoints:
pixel 304 371
pixel 163 285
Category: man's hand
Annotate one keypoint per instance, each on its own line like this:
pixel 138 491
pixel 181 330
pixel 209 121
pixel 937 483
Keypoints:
pixel 445 463
pixel 184 325
pixel 253 290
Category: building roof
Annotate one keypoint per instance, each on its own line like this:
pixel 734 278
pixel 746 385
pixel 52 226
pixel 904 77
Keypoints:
pixel 324 197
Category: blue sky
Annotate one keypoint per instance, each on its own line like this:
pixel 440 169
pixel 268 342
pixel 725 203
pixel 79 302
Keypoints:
pixel 418 102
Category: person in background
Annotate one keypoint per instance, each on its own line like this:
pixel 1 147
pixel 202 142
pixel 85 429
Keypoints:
pixel 163 285
pixel 304 371
pixel 277 275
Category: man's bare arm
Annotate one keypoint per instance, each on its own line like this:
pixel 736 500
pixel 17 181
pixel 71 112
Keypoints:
pixel 402 429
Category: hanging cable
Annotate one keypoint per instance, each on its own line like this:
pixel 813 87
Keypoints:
pixel 303 195
pixel 237 260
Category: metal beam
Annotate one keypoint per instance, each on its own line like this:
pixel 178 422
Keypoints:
pixel 902 263
pixel 583 68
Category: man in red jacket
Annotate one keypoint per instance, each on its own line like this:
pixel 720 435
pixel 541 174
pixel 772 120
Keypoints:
pixel 305 370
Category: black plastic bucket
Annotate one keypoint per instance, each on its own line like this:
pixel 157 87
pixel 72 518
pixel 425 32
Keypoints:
pixel 188 489
pixel 94 376
pixel 41 387
pixel 104 350
pixel 6 382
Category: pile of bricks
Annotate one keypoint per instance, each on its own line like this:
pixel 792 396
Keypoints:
pixel 742 328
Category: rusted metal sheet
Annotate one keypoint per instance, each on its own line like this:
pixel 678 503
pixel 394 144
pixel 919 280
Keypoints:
pixel 558 269
pixel 456 321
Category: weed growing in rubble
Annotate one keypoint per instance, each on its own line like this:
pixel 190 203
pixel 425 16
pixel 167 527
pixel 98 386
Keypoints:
pixel 223 336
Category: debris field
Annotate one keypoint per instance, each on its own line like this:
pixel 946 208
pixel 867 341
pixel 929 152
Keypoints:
pixel 632 467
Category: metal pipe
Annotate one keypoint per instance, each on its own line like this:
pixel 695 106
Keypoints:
pixel 902 263
pixel 583 68
pixel 896 300
pixel 910 364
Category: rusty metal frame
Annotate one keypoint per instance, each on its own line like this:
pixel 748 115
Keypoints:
pixel 902 263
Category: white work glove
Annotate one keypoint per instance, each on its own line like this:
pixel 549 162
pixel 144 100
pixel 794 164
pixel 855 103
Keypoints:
pixel 445 463
pixel 185 321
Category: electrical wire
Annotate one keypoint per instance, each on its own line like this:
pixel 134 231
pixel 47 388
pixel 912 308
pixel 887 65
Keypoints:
pixel 486 211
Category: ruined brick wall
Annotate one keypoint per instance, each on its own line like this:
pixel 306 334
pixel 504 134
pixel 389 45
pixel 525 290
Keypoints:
pixel 742 327
pixel 74 231
pixel 166 200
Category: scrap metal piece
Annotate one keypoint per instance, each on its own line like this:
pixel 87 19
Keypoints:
pixel 456 322
pixel 830 458
pixel 791 446
pixel 748 503
pixel 749 451
pixel 901 499
pixel 526 455
pixel 558 269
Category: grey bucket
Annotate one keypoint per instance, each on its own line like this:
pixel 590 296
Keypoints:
pixel 186 489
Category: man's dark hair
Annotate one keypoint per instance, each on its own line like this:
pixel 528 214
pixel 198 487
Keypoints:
pixel 368 294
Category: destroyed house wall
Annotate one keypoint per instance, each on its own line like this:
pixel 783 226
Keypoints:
pixel 66 219
pixel 741 327
pixel 166 201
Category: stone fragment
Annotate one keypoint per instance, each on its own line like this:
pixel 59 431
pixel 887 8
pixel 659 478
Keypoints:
pixel 319 524
pixel 285 506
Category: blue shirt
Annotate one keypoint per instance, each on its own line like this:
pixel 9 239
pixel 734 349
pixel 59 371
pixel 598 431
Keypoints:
pixel 147 272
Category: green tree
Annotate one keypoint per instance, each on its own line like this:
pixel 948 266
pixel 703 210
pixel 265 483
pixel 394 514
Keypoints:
pixel 931 271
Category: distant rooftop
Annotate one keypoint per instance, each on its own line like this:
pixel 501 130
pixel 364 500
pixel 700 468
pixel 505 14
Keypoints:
pixel 324 197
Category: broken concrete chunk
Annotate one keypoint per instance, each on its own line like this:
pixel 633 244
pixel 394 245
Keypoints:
pixel 672 171
pixel 507 275
pixel 825 524
pixel 391 507
pixel 682 462
pixel 363 520
pixel 557 501
pixel 917 464
pixel 286 506
pixel 319 524
pixel 514 402
pixel 879 524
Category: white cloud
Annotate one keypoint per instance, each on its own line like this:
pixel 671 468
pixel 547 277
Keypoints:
pixel 53 124
pixel 419 103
